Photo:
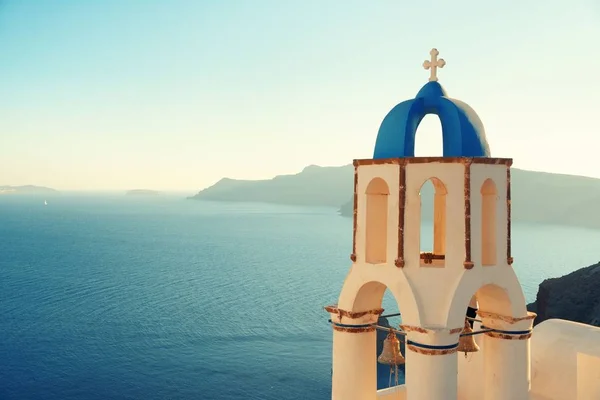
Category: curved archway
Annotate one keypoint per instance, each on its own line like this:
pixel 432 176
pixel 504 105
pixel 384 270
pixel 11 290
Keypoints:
pixel 376 242
pixel 377 186
pixel 364 292
pixel 369 296
pixel 489 196
pixel 491 297
pixel 503 296
pixel 399 308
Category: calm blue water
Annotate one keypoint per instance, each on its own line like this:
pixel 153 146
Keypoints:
pixel 115 297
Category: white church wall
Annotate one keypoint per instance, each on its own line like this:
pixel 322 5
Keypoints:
pixel 366 283
pixel 436 295
pixel 452 176
pixel 558 371
pixel 431 279
pixel 588 376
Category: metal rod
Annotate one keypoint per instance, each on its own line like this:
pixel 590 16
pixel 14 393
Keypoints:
pixel 399 314
pixel 385 328
pixel 476 332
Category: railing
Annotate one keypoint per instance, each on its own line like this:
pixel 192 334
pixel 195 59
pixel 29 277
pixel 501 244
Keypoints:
pixel 429 257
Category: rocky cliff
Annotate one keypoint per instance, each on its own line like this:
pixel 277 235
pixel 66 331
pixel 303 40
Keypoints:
pixel 575 297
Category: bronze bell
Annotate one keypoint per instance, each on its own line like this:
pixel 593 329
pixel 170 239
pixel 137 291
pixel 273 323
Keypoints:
pixel 466 344
pixel 391 354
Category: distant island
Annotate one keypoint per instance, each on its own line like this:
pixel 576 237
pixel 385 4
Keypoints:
pixel 27 189
pixel 142 192
pixel 314 186
pixel 537 197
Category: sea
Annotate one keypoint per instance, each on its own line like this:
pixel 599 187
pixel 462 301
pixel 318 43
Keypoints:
pixel 107 296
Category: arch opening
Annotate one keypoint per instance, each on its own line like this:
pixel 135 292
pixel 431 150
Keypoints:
pixel 491 298
pixel 503 296
pixel 433 222
pixel 494 298
pixel 429 138
pixel 376 236
pixel 373 295
pixel 489 197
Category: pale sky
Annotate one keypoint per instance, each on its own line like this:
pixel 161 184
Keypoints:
pixel 175 94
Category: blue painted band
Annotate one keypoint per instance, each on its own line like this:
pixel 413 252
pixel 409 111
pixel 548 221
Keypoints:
pixel 509 332
pixel 352 326
pixel 430 347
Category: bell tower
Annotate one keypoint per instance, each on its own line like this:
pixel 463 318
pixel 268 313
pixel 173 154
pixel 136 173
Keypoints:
pixel 471 256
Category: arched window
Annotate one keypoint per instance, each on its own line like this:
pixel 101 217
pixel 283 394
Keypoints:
pixel 489 194
pixel 433 240
pixel 377 220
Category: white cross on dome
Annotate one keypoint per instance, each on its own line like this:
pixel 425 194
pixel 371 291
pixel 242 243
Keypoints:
pixel 434 64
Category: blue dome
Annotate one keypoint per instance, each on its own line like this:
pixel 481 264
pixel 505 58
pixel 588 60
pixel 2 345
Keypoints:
pixel 462 131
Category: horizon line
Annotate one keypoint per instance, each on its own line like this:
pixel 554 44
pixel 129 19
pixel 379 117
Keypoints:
pixel 195 190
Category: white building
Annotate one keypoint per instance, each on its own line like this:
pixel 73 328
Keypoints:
pixel 471 259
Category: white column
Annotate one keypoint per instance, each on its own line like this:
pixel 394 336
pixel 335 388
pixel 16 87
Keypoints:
pixel 506 366
pixel 354 365
pixel 506 358
pixel 431 364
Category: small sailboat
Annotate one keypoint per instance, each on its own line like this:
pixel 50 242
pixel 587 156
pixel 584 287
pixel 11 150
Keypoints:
pixel 45 203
